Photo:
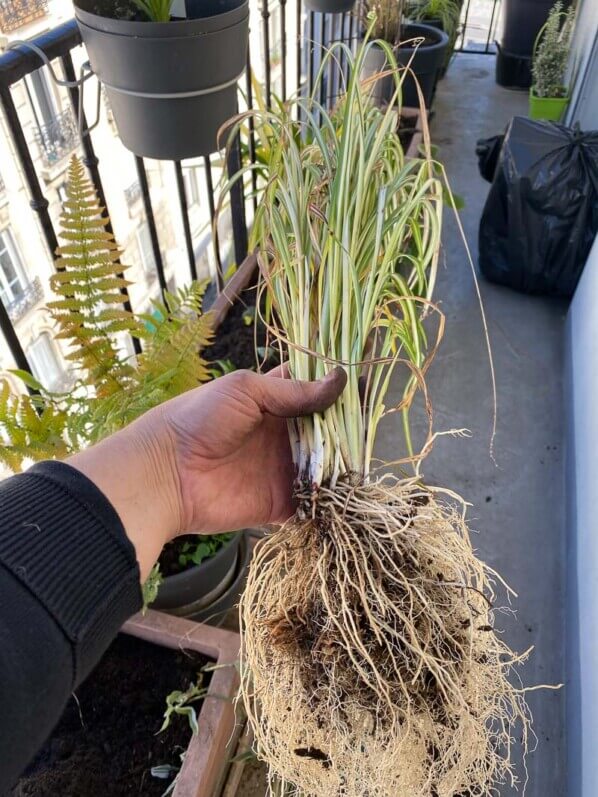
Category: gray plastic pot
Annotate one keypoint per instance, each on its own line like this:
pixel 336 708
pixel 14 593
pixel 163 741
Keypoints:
pixel 427 63
pixel 202 585
pixel 171 85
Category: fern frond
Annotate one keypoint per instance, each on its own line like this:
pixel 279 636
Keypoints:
pixel 31 428
pixel 90 276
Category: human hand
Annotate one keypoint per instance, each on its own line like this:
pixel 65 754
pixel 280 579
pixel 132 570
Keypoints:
pixel 214 459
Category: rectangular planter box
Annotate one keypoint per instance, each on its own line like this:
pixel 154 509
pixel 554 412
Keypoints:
pixel 208 756
pixel 232 290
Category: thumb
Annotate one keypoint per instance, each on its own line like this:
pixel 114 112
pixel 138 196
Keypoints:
pixel 287 398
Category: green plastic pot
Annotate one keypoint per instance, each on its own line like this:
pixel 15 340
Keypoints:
pixel 549 108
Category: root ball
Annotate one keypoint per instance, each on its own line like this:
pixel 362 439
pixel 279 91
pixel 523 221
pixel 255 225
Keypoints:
pixel 370 664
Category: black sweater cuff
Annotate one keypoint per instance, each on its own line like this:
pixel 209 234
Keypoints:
pixel 63 540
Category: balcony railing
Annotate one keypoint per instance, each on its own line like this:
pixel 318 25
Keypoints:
pixel 31 295
pixel 57 138
pixel 297 47
pixel 14 14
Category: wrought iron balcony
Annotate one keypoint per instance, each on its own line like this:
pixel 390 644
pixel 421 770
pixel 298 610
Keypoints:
pixel 299 52
pixel 14 14
pixel 30 296
pixel 57 138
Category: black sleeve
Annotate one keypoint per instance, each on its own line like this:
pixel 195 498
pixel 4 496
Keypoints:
pixel 68 580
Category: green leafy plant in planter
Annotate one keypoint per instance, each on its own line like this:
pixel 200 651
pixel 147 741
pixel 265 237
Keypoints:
pixel 155 10
pixel 444 14
pixel 419 49
pixel 549 96
pixel 111 388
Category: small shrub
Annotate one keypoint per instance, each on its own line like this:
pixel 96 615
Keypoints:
pixel 552 53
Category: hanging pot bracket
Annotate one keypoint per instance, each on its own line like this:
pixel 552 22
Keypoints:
pixel 85 73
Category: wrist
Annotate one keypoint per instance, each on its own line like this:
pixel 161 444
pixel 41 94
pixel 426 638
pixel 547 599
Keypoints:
pixel 135 470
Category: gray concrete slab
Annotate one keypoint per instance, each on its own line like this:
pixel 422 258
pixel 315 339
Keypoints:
pixel 518 503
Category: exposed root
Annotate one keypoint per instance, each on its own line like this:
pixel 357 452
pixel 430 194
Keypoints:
pixel 370 667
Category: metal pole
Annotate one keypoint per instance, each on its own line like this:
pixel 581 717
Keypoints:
pixel 151 221
pixel 180 182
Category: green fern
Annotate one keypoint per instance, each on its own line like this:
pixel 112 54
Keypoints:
pixel 90 308
pixel 33 426
pixel 111 389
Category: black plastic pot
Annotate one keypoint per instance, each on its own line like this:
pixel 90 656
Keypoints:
pixel 330 6
pixel 171 85
pixel 521 23
pixel 425 63
pixel 201 587
pixel 214 610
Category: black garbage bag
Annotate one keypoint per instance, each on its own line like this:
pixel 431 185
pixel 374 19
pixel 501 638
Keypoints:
pixel 541 215
pixel 488 151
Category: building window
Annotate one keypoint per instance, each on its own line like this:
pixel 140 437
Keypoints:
pixel 146 252
pixel 191 180
pixel 14 14
pixel 45 364
pixel 55 130
pixel 12 280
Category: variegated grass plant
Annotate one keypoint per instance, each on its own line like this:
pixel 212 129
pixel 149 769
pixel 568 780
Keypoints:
pixel 370 665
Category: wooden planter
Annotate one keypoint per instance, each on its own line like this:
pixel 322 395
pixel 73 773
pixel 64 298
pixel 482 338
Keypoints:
pixel 232 290
pixel 208 756
pixel 418 136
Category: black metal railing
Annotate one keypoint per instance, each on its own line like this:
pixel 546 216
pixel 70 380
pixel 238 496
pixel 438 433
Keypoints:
pixel 14 14
pixel 57 138
pixel 478 26
pixel 28 297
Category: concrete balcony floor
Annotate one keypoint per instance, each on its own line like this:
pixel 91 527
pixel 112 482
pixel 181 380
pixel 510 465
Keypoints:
pixel 518 503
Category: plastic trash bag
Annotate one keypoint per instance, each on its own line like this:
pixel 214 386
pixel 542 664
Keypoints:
pixel 541 215
pixel 488 151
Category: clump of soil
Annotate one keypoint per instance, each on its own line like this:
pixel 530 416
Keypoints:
pixel 106 744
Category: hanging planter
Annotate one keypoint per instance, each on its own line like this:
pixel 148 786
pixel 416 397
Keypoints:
pixel 171 85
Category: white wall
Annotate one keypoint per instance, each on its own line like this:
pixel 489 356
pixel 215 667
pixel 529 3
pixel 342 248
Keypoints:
pixel 582 493
pixel 584 68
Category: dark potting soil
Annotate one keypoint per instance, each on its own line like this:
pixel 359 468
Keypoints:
pixel 115 9
pixel 237 340
pixel 107 745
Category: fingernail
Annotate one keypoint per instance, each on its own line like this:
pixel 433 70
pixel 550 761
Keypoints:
pixel 336 374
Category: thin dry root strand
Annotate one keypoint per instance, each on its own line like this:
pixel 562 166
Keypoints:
pixel 370 667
